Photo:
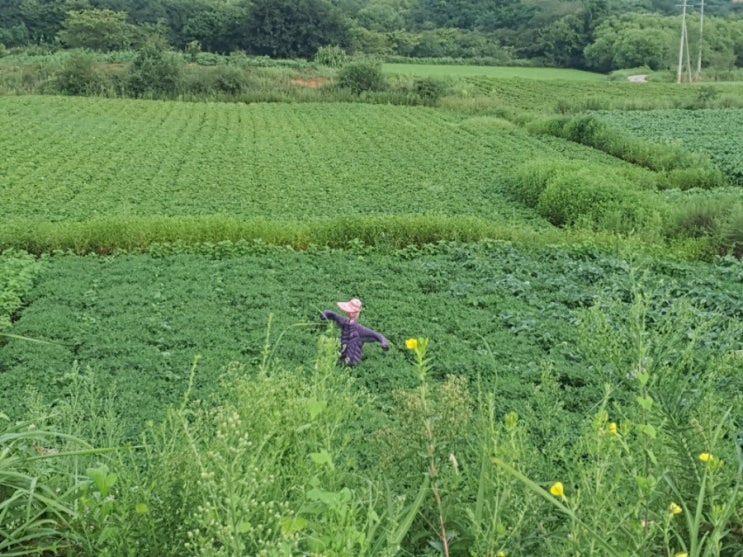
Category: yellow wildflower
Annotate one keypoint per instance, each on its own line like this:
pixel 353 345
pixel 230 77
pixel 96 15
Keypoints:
pixel 682 555
pixel 613 429
pixel 676 509
pixel 411 344
pixel 502 553
pixel 557 490
pixel 706 457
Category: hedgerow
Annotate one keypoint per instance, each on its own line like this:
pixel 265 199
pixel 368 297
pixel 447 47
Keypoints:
pixel 683 169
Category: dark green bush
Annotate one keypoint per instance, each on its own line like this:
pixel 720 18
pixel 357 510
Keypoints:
pixel 155 70
pixel 587 130
pixel 78 75
pixel 575 193
pixel 429 90
pixel 697 218
pixel 230 80
pixel 359 77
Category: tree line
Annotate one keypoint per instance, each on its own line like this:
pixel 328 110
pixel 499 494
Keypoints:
pixel 589 34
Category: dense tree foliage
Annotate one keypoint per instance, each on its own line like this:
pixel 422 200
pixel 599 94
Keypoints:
pixel 592 34
pixel 293 28
pixel 98 30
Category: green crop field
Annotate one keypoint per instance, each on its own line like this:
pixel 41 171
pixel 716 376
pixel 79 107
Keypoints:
pixel 79 159
pixel 491 311
pixel 715 132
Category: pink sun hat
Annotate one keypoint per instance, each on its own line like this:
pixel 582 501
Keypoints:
pixel 352 306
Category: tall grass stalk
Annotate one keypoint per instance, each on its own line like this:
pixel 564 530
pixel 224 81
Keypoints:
pixel 559 504
pixel 420 347
pixel 37 507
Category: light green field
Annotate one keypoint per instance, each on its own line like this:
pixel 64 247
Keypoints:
pixel 500 72
pixel 79 159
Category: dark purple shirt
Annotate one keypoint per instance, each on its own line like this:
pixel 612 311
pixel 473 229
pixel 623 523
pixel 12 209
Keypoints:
pixel 353 337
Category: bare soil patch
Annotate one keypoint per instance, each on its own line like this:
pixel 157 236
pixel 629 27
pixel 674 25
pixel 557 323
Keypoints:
pixel 313 83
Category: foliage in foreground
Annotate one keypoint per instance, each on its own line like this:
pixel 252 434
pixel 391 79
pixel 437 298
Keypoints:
pixel 291 460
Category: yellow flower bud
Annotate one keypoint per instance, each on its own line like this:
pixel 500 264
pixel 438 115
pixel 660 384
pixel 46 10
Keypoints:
pixel 411 344
pixel 613 429
pixel 706 457
pixel 676 509
pixel 557 490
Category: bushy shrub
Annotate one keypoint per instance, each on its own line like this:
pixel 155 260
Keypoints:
pixel 430 90
pixel 695 220
pixel 576 193
pixel 583 195
pixel 230 79
pixel 362 76
pixel 531 179
pixel 587 130
pixel 193 48
pixel 78 75
pixel 155 70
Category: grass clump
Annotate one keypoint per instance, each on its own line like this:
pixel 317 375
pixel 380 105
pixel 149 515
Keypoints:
pixel 569 193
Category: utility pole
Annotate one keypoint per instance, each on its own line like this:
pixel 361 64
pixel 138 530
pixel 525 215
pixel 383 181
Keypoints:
pixel 684 42
pixel 701 29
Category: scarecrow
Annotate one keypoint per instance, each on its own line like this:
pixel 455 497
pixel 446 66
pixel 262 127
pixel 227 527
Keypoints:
pixel 353 334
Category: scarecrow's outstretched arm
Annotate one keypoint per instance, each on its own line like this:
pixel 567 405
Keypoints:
pixel 333 317
pixel 367 335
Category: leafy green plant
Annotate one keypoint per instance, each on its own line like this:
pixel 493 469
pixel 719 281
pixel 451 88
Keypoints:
pixel 18 270
pixel 430 90
pixel 78 75
pixel 362 76
pixel 332 56
pixel 155 70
